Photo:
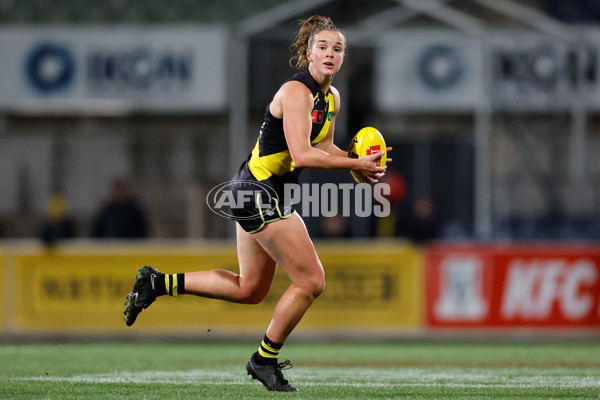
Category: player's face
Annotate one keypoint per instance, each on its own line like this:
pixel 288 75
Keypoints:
pixel 327 52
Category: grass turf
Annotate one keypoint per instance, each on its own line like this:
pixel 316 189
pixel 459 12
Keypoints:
pixel 321 371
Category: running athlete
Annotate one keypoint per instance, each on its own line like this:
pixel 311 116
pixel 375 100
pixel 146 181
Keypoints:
pixel 297 132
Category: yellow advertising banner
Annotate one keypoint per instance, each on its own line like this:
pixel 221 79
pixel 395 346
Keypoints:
pixel 73 290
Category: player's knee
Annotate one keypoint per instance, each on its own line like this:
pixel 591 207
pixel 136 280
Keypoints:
pixel 252 295
pixel 316 285
pixel 254 298
pixel 320 287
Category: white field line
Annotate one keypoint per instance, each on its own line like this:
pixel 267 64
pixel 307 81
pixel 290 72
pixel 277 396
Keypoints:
pixel 347 377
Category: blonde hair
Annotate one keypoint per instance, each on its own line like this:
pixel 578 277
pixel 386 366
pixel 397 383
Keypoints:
pixel 304 37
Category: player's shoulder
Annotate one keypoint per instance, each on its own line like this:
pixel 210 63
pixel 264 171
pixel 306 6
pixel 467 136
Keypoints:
pixel 294 90
pixel 304 77
pixel 336 97
pixel 334 92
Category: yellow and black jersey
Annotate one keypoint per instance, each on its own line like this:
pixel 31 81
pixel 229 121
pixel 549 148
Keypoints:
pixel 269 168
pixel 271 155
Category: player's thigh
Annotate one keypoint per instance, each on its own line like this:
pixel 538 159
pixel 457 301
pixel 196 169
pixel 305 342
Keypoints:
pixel 288 243
pixel 257 267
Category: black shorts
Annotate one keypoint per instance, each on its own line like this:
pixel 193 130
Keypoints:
pixel 260 202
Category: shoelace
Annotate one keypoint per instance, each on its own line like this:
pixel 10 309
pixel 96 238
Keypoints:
pixel 287 364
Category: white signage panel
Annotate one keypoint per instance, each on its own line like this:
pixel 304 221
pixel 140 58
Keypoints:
pixel 113 69
pixel 424 69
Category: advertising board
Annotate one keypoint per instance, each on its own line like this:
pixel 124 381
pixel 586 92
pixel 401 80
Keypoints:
pixel 527 286
pixel 368 287
pixel 113 69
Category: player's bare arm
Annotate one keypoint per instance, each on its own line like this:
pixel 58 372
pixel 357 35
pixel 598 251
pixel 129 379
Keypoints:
pixel 296 105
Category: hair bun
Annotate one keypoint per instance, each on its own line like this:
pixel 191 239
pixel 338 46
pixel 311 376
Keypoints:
pixel 308 28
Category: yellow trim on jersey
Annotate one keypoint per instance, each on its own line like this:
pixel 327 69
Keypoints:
pixel 263 167
pixel 325 128
pixel 274 164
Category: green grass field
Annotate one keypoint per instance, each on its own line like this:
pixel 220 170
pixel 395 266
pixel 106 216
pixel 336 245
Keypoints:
pixel 321 371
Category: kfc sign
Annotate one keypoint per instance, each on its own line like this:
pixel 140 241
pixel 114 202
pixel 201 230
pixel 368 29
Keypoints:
pixel 536 289
pixel 515 286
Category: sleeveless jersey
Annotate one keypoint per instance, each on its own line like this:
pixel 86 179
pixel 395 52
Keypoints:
pixel 271 155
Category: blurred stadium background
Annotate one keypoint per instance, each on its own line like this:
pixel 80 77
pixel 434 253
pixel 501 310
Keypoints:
pixel 491 106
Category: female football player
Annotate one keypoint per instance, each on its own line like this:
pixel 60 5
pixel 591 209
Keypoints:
pixel 297 133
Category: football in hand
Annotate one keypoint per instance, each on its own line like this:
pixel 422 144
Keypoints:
pixel 367 141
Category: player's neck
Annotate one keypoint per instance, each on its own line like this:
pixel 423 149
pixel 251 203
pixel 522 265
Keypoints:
pixel 322 80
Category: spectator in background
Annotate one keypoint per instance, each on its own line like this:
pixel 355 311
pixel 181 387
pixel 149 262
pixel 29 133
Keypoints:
pixel 56 225
pixel 424 224
pixel 121 216
pixel 387 226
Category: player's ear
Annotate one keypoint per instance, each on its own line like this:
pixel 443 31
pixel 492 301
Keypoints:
pixel 309 55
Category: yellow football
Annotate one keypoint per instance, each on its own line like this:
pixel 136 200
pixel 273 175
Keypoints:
pixel 367 141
